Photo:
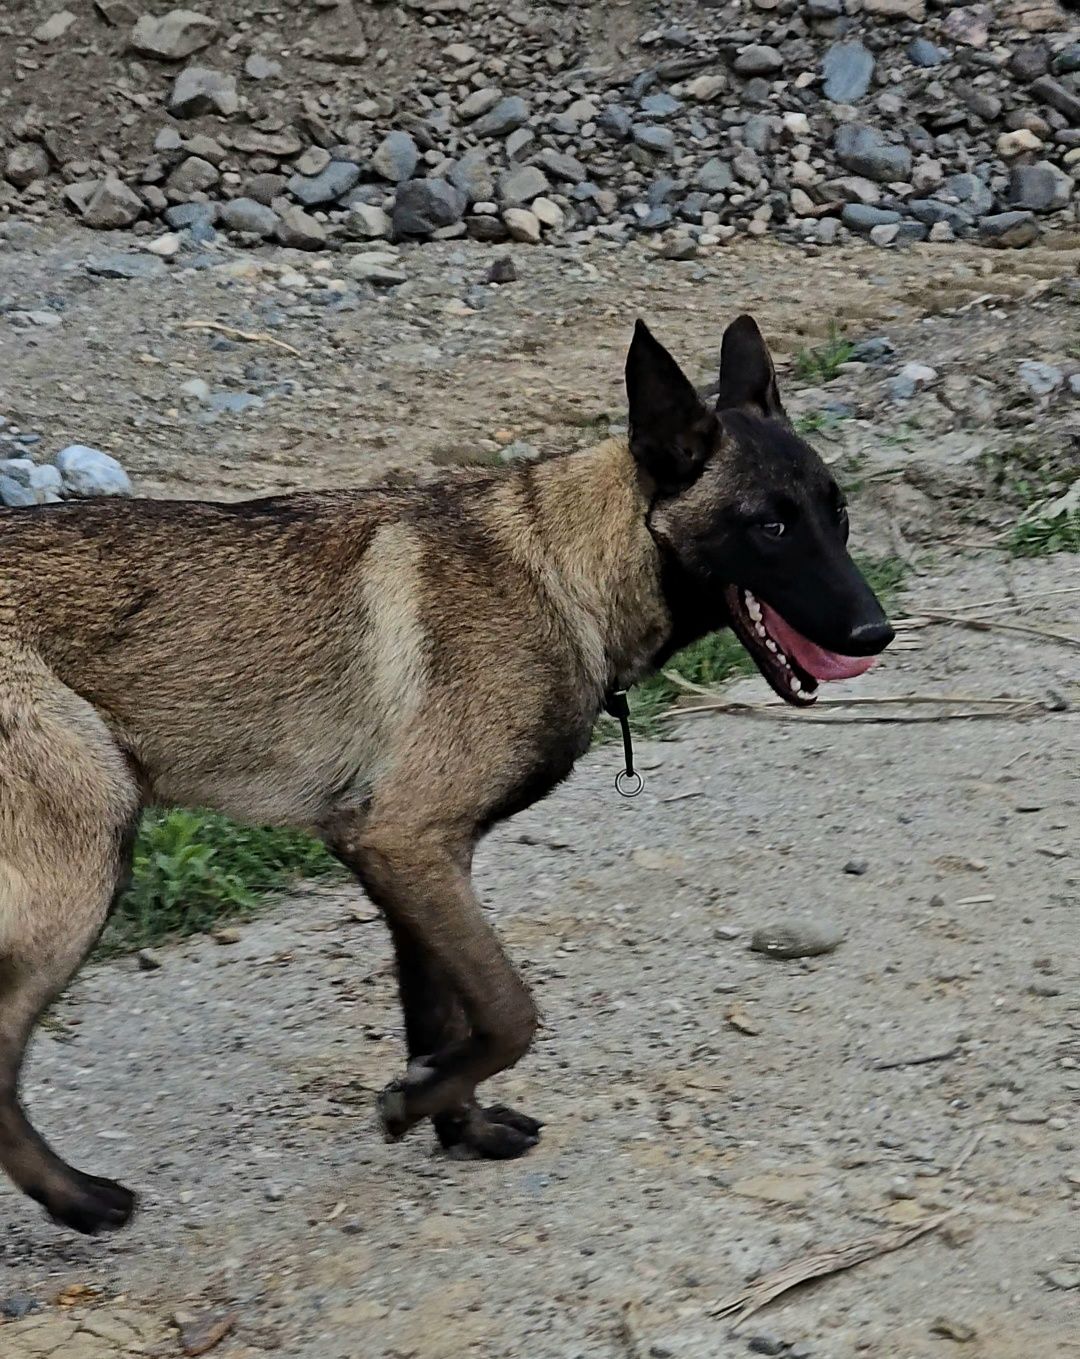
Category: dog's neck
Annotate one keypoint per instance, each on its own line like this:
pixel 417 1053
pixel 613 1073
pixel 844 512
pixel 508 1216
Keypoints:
pixel 590 511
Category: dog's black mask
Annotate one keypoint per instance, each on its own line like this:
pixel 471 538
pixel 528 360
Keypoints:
pixel 751 523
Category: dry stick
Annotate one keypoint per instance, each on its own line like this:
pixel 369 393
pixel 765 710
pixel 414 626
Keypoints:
pixel 988 624
pixel 254 337
pixel 825 1262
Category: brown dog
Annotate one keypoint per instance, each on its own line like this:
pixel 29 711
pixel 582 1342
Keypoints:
pixel 396 670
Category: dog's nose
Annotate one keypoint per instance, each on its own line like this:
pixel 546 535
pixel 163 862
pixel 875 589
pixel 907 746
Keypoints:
pixel 870 638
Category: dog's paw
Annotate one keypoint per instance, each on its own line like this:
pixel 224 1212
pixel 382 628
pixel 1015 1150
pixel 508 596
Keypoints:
pixel 496 1133
pixel 90 1204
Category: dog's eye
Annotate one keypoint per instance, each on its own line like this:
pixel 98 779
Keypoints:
pixel 774 529
pixel 841 511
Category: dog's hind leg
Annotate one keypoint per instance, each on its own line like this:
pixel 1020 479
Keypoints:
pixel 468 1013
pixel 68 808
pixel 434 1020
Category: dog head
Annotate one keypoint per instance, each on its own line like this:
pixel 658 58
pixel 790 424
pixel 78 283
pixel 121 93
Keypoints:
pixel 751 524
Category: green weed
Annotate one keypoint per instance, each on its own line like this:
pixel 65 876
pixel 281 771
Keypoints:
pixel 194 869
pixel 823 362
pixel 1042 535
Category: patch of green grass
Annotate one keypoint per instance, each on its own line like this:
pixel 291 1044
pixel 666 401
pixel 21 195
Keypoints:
pixel 1042 535
pixel 194 870
pixel 822 362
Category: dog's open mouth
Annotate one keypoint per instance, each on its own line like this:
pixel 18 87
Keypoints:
pixel 790 662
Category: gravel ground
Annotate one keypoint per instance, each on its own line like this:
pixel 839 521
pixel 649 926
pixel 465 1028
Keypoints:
pixel 683 1153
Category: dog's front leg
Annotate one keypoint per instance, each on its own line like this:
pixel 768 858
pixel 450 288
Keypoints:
pixel 468 1014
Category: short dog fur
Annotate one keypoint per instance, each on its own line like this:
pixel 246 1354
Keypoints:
pixel 394 669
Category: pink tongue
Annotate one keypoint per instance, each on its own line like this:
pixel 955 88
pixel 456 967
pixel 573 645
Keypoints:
pixel 821 664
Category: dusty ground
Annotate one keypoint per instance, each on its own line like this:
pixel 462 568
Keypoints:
pixel 682 1155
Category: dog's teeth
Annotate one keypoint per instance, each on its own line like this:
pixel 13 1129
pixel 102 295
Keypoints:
pixel 753 608
pixel 771 645
pixel 759 628
pixel 796 687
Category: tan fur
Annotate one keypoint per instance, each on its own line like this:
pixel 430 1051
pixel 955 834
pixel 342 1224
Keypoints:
pixel 386 667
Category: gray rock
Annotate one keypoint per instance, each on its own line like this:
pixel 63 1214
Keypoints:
pixel 18 1305
pixel 615 121
pixel 502 270
pixel 930 210
pixel 519 451
pixel 90 472
pixel 25 163
pixel 43 481
pixel 112 204
pixel 661 105
pixel 862 217
pixel 1041 379
pixel 758 60
pixel 173 36
pixel 757 133
pixel 328 186
pixel 301 231
pixel 922 52
pixel 14 495
pixel 824 9
pixel 396 157
pixel 651 137
pixel 562 166
pixel 1055 94
pixel 378 267
pixel 766 1344
pixel 192 176
pixel 864 150
pixel 506 116
pixel 522 225
pixel 1042 187
pixel 969 191
pixel 265 188
pixel 258 67
pixel 984 105
pixel 1009 230
pixel 521 185
pixel 797 939
pixel 715 176
pixel 245 214
pixel 187 215
pixel 1030 60
pixel 848 69
pixel 366 222
pixel 422 206
pixel 472 175
pixel 479 102
pixel 1067 61
pixel 911 378
pixel 126 266
pixel 199 90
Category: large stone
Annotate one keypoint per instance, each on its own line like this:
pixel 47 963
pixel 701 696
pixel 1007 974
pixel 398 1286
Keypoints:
pixel 897 9
pixel 864 150
pixel 367 222
pixel 922 52
pixel 1042 187
pixel 1009 230
pixel 972 193
pixel 396 157
pixel 758 60
pixel 522 225
pixel 472 175
pixel 191 176
pixel 651 137
pixel 111 204
pixel 423 206
pixel 301 231
pixel 1055 94
pixel 199 90
pixel 862 217
pixel 505 117
pixel 561 165
pixel 26 162
pixel 90 472
pixel 326 187
pixel 173 36
pixel 848 68
pixel 478 103
pixel 521 185
pixel 245 214
pixel 715 176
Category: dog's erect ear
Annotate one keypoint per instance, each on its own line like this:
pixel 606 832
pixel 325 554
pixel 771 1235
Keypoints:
pixel 672 433
pixel 747 375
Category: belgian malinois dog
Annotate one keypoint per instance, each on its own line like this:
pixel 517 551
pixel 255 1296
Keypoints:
pixel 396 670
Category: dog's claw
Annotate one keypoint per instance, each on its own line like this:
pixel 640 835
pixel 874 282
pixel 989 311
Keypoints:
pixel 393 1112
pixel 94 1205
pixel 497 1133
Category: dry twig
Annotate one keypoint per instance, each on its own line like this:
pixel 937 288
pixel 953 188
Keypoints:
pixel 988 625
pixel 252 336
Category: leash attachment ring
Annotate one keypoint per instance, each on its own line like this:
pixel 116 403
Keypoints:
pixel 628 782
